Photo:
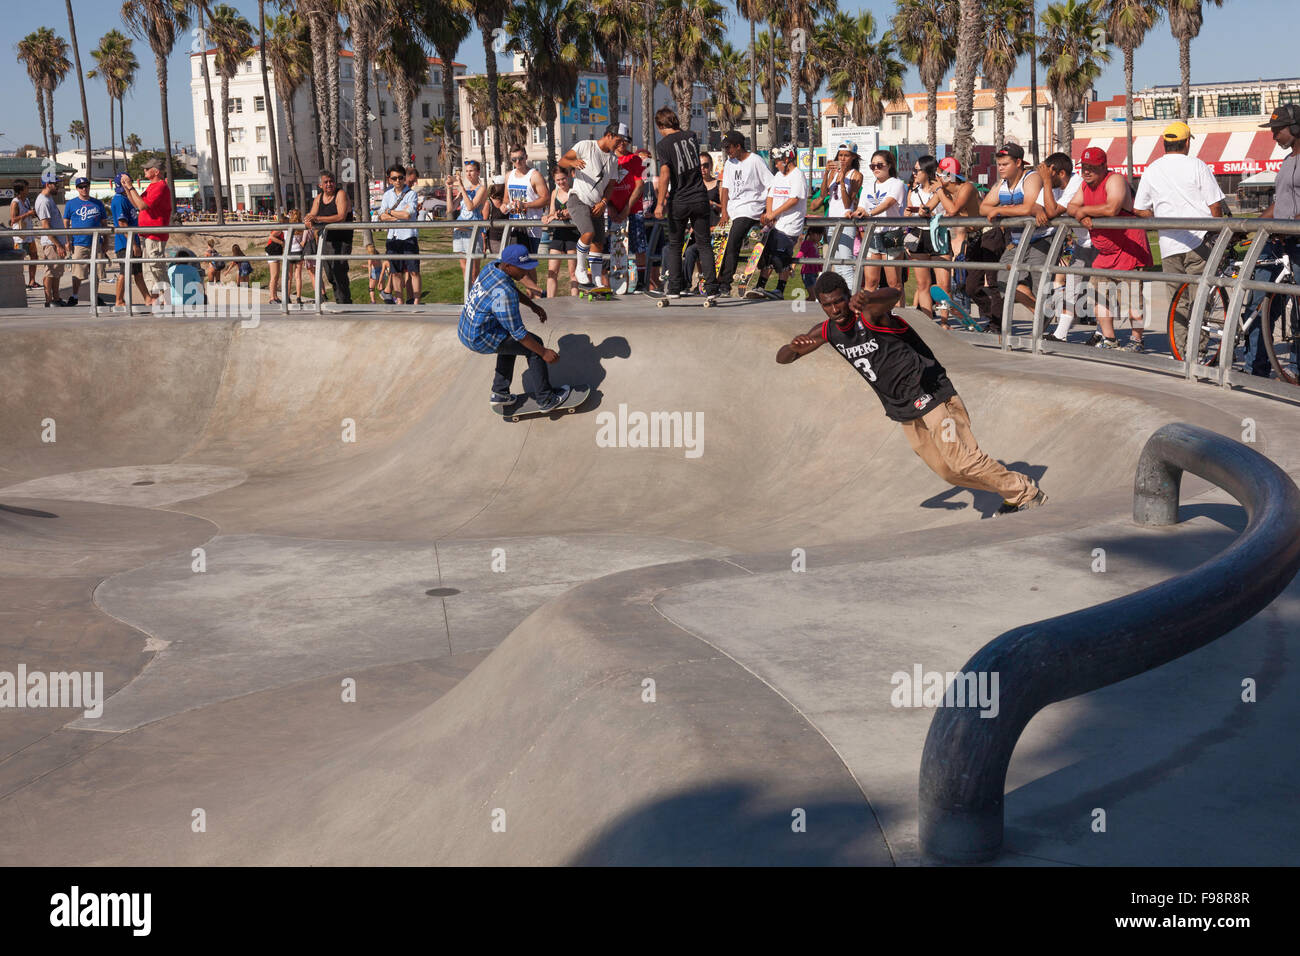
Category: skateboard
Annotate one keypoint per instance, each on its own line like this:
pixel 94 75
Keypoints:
pixel 525 406
pixel 718 239
pixel 753 270
pixel 601 293
pixel 622 266
pixel 662 300
pixel 938 295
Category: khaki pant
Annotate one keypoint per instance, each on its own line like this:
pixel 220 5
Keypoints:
pixel 51 270
pixel 155 273
pixel 1192 264
pixel 81 270
pixel 943 440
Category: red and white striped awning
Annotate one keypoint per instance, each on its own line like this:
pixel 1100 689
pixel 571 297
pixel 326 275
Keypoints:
pixel 1243 152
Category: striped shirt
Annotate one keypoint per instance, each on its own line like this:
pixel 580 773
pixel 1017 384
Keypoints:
pixel 491 313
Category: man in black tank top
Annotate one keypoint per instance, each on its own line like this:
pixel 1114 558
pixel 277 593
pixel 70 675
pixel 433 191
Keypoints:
pixel 911 385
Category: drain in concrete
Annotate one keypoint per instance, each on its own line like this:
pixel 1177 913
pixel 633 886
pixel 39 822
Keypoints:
pixel 442 592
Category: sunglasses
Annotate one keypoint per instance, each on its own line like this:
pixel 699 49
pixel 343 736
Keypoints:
pixel 393 179
pixel 878 166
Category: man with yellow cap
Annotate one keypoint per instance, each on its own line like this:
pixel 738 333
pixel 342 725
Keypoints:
pixel 1180 186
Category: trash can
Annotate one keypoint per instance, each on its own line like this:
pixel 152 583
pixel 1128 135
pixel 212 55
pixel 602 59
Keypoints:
pixel 13 290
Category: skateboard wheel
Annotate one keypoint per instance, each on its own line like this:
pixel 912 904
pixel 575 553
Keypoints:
pixel 515 418
pixel 662 304
pixel 575 408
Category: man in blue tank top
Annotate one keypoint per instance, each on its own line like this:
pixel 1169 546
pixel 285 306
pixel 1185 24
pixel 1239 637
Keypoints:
pixel 1016 195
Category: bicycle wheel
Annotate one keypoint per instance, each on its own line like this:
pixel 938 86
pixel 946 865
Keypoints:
pixel 1216 310
pixel 1282 319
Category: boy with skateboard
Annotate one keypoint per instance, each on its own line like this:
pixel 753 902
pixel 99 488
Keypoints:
pixel 680 191
pixel 593 166
pixel 911 385
pixel 490 324
pixel 786 209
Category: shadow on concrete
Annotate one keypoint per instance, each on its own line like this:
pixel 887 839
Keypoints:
pixel 725 825
pixel 581 362
pixel 985 502
pixel 29 512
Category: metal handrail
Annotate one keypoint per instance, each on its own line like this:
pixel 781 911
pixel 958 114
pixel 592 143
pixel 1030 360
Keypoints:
pixel 964 763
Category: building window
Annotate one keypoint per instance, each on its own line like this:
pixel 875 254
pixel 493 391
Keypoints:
pixel 424 110
pixel 896 122
pixel 385 137
pixel 263 164
pixel 235 105
pixel 259 104
pixel 347 71
pixel 248 66
pixel 762 124
pixel 439 111
pixel 437 77
pixel 1240 104
pixel 982 117
pixel 539 135
pixel 622 105
pixel 238 164
pixel 1291 97
pixel 1164 109
pixel 383 108
pixel 237 135
pixel 473 136
pixel 261 134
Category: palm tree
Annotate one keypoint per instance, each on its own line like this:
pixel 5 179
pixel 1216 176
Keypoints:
pixel 405 64
pixel 926 31
pixel 214 155
pixel 490 16
pixel 115 64
pixel 77 130
pixel 690 29
pixel 32 51
pixel 288 48
pixel 133 142
pixel 81 83
pixel 753 11
pixel 1007 38
pixel 816 69
pixel 864 70
pixel 801 15
pixel 444 128
pixel 970 29
pixel 1128 22
pixel 446 27
pixel 1071 56
pixel 480 112
pixel 554 37
pixel 157 22
pixel 364 17
pixel 270 103
pixel 57 68
pixel 1185 17
pixel 232 36
pixel 770 79
pixel 615 31
pixel 727 76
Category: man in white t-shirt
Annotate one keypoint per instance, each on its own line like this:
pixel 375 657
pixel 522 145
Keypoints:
pixel 743 195
pixel 593 166
pixel 1058 170
pixel 52 247
pixel 786 207
pixel 1180 186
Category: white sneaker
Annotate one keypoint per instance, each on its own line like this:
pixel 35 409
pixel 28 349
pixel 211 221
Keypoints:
pixel 582 276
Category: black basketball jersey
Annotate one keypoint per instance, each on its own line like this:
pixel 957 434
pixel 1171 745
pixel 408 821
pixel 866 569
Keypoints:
pixel 896 363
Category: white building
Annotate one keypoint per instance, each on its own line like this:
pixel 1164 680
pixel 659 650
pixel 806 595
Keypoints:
pixel 103 162
pixel 585 116
pixel 250 151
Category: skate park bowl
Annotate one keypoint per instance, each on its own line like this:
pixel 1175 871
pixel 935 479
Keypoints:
pixel 344 613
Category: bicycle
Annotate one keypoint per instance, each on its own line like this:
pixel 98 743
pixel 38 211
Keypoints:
pixel 1278 311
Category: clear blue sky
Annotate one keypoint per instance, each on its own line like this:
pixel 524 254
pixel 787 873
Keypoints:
pixel 1246 39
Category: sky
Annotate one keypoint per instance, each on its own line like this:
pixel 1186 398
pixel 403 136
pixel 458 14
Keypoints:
pixel 1236 43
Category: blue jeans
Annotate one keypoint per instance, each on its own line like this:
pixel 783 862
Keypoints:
pixel 537 380
pixel 1256 358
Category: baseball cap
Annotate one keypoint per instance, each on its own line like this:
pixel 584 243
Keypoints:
pixel 617 129
pixel 1177 132
pixel 117 181
pixel 1285 115
pixel 950 164
pixel 783 152
pixel 733 138
pixel 1014 150
pixel 517 255
pixel 81 181
pixel 153 164
pixel 1093 156
pixel 848 145
pixel 47 178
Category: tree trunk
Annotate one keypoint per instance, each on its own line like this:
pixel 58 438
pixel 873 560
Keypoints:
pixel 1185 66
pixel 449 111
pixel 45 129
pixel 214 156
pixel 49 118
pixel 270 112
pixel 160 67
pixel 611 81
pixel 753 87
pixel 486 26
pixel 360 105
pixel 1000 116
pixel 1128 109
pixel 300 188
pixel 1066 145
pixel 333 39
pixel 81 85
pixel 771 86
pixel 112 133
pixel 225 136
pixel 648 90
pixel 403 98
pixel 969 32
pixel 794 99
pixel 121 123
pixel 319 88
pixel 932 121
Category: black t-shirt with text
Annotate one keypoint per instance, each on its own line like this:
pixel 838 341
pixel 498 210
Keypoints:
pixel 897 364
pixel 680 152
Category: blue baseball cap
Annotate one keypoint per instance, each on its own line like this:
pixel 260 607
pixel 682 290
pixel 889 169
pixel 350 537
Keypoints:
pixel 117 181
pixel 47 178
pixel 517 255
pixel 81 181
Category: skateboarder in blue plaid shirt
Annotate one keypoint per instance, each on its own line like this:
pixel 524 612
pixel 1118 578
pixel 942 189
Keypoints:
pixel 490 323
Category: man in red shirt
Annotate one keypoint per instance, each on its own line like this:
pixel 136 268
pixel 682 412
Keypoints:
pixel 155 208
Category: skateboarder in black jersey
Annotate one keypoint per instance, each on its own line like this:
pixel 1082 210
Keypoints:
pixel 912 385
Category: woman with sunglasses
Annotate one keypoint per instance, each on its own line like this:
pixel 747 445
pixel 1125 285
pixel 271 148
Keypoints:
pixel 883 197
pixel 923 201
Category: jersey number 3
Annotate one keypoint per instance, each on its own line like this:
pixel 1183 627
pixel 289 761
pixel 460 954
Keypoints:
pixel 863 365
